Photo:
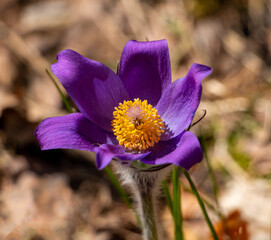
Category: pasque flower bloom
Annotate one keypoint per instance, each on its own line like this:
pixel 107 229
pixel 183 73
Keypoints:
pixel 136 114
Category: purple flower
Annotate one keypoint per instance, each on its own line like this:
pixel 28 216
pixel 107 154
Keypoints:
pixel 137 114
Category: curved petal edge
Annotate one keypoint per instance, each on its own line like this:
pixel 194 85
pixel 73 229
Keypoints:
pixel 145 69
pixel 95 89
pixel 180 101
pixel 184 151
pixel 106 152
pixel 72 131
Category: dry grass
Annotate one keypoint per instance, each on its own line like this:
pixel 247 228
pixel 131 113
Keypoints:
pixel 60 194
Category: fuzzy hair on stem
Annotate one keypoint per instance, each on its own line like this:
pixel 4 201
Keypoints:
pixel 145 189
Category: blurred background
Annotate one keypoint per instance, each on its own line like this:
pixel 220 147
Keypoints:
pixel 60 194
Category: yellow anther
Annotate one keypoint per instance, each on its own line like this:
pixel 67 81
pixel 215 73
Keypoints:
pixel 137 125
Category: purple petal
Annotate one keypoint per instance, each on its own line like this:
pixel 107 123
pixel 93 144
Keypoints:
pixel 145 69
pixel 105 153
pixel 94 88
pixel 72 131
pixel 180 101
pixel 183 150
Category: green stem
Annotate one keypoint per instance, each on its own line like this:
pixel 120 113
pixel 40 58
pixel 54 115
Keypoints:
pixel 178 221
pixel 117 186
pixel 147 216
pixel 64 99
pixel 166 192
pixel 121 191
pixel 205 214
pixel 211 172
pixel 205 201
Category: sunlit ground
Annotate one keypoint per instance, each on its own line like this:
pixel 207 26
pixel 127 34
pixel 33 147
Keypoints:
pixel 60 194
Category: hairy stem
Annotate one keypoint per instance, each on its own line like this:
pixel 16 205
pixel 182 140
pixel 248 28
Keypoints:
pixel 146 213
pixel 145 186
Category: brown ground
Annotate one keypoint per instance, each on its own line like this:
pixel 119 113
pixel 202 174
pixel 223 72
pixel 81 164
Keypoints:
pixel 60 194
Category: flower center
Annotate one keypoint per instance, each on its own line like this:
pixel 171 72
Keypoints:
pixel 137 125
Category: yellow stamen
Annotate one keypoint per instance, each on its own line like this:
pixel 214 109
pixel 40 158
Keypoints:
pixel 137 125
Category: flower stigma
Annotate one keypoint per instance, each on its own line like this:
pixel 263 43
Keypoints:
pixel 137 125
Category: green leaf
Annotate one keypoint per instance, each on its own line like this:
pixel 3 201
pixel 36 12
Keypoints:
pixel 64 99
pixel 165 189
pixel 205 214
pixel 178 220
